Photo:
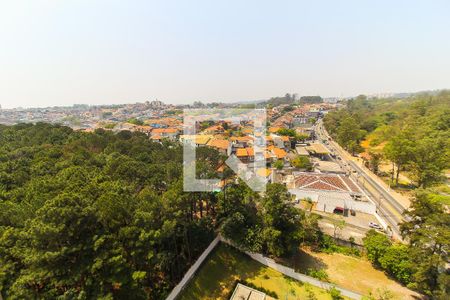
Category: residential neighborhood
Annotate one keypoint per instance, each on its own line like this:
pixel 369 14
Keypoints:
pixel 293 153
pixel 225 150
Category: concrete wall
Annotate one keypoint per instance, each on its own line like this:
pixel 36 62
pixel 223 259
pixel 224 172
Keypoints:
pixel 329 204
pixel 190 273
pixel 328 201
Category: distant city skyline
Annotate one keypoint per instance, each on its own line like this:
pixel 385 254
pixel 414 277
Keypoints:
pixel 60 53
pixel 190 102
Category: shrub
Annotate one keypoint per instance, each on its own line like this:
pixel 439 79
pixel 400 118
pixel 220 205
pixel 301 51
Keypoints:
pixel 302 162
pixel 379 294
pixel 335 294
pixel 396 261
pixel 318 274
pixel 278 164
pixel 392 258
pixel 327 245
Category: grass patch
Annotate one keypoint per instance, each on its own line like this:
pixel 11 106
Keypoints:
pixel 218 275
pixel 349 272
pixel 441 194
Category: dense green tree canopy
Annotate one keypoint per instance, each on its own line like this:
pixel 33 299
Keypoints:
pixel 268 223
pixel 96 215
pixel 104 216
pixel 428 232
pixel 302 162
pixel 421 264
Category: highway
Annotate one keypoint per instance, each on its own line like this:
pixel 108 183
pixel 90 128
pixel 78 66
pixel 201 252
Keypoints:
pixel 388 208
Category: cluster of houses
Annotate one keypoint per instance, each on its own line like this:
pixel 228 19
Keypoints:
pixel 300 117
pixel 87 117
pixel 227 138
pixel 326 184
pixel 240 140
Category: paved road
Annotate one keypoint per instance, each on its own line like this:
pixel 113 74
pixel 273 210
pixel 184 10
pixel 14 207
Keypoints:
pixel 389 209
pixel 327 226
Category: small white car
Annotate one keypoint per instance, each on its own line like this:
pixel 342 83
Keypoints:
pixel 375 226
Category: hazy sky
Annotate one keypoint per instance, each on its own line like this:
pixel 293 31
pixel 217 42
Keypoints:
pixel 98 52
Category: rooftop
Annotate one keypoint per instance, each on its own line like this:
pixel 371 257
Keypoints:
pixel 218 143
pixel 263 172
pixel 242 152
pixel 280 153
pixel 164 130
pixel 200 139
pixel 317 149
pixel 326 182
pixel 243 292
pixel 302 151
pixel 329 167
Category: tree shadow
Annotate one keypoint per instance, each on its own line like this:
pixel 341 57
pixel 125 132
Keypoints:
pixel 302 261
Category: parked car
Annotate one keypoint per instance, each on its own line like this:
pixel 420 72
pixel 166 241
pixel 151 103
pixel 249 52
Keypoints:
pixel 338 210
pixel 375 226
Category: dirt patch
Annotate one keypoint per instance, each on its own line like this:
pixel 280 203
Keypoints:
pixel 352 273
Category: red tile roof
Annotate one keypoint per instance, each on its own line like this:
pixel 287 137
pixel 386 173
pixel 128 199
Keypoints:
pixel 274 129
pixel 280 153
pixel 241 138
pixel 164 130
pixel 326 182
pixel 214 128
pixel 156 137
pixel 243 152
pixel 219 144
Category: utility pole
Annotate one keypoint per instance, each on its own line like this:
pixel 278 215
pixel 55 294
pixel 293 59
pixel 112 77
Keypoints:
pixel 379 202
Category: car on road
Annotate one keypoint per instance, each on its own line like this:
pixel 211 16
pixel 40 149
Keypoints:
pixel 375 226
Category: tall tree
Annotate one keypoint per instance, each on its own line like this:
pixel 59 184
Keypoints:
pixel 349 134
pixel 430 157
pixel 400 150
pixel 428 232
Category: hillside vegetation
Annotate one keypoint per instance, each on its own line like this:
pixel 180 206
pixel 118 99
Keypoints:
pixel 413 133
